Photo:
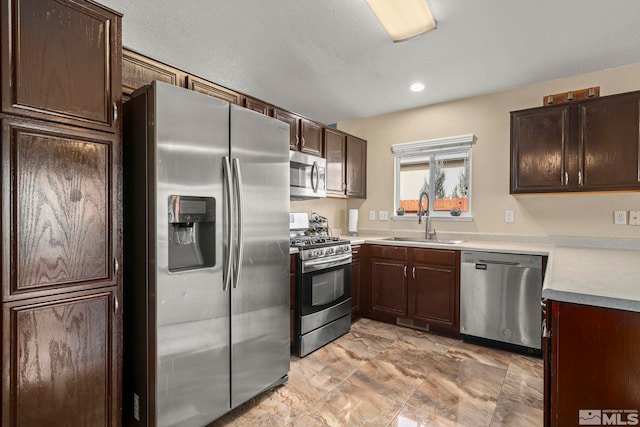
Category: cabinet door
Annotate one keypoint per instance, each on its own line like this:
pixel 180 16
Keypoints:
pixel 59 199
pixel 389 283
pixel 61 61
pixel 609 143
pixel 311 137
pixel 334 146
pixel 212 89
pixel 433 294
pixel 294 127
pixel 60 361
pixel 594 363
pixel 356 164
pixel 355 280
pixel 139 70
pixel 258 106
pixel 542 153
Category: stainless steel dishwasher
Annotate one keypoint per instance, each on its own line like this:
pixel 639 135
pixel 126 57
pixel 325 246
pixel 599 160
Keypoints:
pixel 500 297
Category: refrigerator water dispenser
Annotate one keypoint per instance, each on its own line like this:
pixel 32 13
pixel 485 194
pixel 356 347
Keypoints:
pixel 192 232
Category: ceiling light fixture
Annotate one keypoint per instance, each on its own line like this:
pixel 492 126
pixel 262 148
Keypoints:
pixel 416 87
pixel 403 19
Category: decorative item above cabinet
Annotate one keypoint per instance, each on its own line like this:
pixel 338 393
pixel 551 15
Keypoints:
pixel 591 145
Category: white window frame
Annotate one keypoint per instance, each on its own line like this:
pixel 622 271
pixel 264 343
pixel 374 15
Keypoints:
pixel 419 151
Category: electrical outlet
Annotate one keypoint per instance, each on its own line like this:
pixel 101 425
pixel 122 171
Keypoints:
pixel 620 217
pixel 372 215
pixel 383 215
pixel 634 217
pixel 508 216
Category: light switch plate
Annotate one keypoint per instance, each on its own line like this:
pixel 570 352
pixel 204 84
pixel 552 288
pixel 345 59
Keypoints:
pixel 372 215
pixel 634 217
pixel 383 215
pixel 620 217
pixel 508 216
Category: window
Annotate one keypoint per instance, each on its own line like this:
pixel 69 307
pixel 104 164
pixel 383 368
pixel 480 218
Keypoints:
pixel 439 167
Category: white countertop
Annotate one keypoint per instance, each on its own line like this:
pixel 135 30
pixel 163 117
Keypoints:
pixel 603 277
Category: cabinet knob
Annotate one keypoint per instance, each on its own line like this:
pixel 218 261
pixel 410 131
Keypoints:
pixel 413 272
pixel 116 304
pixel 579 177
pixel 115 111
pixel 405 271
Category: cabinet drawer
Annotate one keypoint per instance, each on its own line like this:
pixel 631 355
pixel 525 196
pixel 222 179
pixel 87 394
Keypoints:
pixel 434 256
pixel 355 252
pixel 392 252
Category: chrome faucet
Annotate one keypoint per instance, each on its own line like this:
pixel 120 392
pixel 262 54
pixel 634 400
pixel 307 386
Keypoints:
pixel 428 234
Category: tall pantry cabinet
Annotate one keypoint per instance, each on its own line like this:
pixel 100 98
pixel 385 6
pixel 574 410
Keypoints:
pixel 60 213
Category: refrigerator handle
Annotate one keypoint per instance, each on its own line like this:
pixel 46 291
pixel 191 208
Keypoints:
pixel 240 219
pixel 226 169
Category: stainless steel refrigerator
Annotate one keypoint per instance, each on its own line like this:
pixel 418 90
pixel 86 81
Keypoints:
pixel 206 202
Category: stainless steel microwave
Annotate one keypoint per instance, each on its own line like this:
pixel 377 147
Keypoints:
pixel 308 176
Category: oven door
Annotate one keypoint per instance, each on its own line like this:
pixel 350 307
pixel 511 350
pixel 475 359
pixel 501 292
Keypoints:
pixel 325 282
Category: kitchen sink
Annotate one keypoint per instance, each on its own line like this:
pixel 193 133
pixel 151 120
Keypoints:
pixel 422 240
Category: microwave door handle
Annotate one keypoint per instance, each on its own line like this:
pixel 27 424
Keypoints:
pixel 314 187
pixel 239 218
pixel 226 172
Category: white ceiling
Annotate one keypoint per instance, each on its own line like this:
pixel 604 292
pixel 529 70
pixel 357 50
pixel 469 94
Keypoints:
pixel 331 60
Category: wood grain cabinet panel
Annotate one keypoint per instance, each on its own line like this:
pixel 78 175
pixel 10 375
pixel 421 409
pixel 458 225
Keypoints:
pixel 355 280
pixel 61 188
pixel 212 89
pixel 60 362
pixel 389 283
pixel 609 143
pixel 294 126
pixel 311 137
pixel 139 70
pixel 434 290
pixel 542 155
pixel 592 363
pixel 592 145
pixel 334 149
pixel 356 167
pixel 258 106
pixel 61 61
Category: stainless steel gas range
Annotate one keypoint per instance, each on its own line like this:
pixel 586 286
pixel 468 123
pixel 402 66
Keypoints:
pixel 323 292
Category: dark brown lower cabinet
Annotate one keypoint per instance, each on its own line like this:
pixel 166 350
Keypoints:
pixel 434 289
pixel 60 360
pixel 355 280
pixel 415 287
pixel 592 368
pixel 388 275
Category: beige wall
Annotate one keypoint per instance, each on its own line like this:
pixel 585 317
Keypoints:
pixel 487 117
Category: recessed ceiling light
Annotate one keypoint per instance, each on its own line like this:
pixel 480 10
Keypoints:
pixel 416 87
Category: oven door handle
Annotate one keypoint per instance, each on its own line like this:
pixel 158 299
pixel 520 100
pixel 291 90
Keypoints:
pixel 320 264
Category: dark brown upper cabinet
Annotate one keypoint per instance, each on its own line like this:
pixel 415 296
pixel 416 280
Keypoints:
pixel 258 106
pixel 62 61
pixel 139 70
pixel 212 89
pixel 346 164
pixel 63 221
pixel 311 137
pixel 356 167
pixel 305 135
pixel 294 126
pixel 335 143
pixel 592 145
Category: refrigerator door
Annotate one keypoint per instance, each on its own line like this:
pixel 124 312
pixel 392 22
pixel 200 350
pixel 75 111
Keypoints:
pixel 260 346
pixel 190 138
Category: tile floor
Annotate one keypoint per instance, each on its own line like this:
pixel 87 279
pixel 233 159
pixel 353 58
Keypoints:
pixel 386 375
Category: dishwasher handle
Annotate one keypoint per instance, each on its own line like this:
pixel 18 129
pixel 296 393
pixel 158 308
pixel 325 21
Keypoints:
pixel 510 263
